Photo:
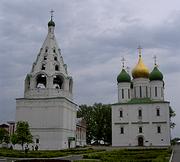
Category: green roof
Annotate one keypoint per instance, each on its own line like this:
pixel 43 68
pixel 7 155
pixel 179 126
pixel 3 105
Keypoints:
pixel 51 23
pixel 123 77
pixel 155 74
pixel 140 101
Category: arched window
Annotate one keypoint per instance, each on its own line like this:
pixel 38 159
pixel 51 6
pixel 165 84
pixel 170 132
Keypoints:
pixel 43 67
pixel 70 85
pixel 155 91
pixel 45 57
pixel 58 82
pixel 128 93
pixel 55 58
pixel 140 90
pixel 146 91
pixel 56 67
pixel 41 81
pixel 139 113
pixel 122 93
pixel 54 50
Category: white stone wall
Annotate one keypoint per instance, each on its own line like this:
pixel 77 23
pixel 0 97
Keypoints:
pixel 149 122
pixel 52 120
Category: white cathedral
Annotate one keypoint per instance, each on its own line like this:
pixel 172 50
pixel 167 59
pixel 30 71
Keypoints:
pixel 48 104
pixel 141 116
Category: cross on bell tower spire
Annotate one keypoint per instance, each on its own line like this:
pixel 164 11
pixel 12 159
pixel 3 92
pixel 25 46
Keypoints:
pixel 52 11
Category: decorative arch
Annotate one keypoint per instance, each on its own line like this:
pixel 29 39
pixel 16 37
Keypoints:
pixel 27 82
pixel 140 140
pixel 58 82
pixel 70 85
pixel 41 81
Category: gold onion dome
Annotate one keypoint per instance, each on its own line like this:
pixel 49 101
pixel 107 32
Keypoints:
pixel 140 70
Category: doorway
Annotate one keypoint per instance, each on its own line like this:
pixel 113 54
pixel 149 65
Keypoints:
pixel 140 141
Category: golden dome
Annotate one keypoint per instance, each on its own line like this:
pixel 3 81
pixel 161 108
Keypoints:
pixel 140 70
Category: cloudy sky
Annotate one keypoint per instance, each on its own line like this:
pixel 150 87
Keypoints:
pixel 93 36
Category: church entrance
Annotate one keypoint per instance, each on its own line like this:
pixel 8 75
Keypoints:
pixel 140 141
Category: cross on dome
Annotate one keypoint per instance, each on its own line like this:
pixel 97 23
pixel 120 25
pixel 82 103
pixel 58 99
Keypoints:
pixel 155 60
pixel 123 61
pixel 140 50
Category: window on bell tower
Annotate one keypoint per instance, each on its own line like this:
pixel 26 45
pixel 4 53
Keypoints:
pixel 43 67
pixel 56 67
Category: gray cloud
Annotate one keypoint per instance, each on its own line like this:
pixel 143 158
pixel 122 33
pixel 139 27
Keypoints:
pixel 93 36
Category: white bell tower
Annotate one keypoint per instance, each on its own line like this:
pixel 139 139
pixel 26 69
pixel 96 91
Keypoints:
pixel 48 104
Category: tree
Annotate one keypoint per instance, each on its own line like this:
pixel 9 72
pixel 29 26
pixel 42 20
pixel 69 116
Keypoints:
pixel 4 136
pixel 14 139
pixel 23 133
pixel 171 115
pixel 98 120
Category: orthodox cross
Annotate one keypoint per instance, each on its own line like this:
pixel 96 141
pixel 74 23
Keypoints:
pixel 51 14
pixel 155 60
pixel 123 60
pixel 140 50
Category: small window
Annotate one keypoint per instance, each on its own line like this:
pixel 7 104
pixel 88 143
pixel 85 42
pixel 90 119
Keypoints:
pixel 56 68
pixel 135 92
pixel 122 130
pixel 158 112
pixel 122 93
pixel 155 91
pixel 37 140
pixel 46 50
pixel 158 129
pixel 140 113
pixel 121 113
pixel 43 67
pixel 54 50
pixel 146 91
pixel 140 90
pixel 140 129
pixel 55 58
pixel 45 57
pixel 128 93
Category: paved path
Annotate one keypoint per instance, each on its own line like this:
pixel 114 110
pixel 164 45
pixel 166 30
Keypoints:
pixel 176 157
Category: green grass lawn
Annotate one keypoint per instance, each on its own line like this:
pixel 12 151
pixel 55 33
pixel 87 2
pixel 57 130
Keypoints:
pixel 45 154
pixel 129 155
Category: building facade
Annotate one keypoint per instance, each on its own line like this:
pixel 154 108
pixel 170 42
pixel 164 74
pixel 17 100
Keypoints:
pixel 141 116
pixel 48 104
pixel 80 132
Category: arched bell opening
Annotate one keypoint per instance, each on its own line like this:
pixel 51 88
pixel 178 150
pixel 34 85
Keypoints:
pixel 58 82
pixel 41 81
